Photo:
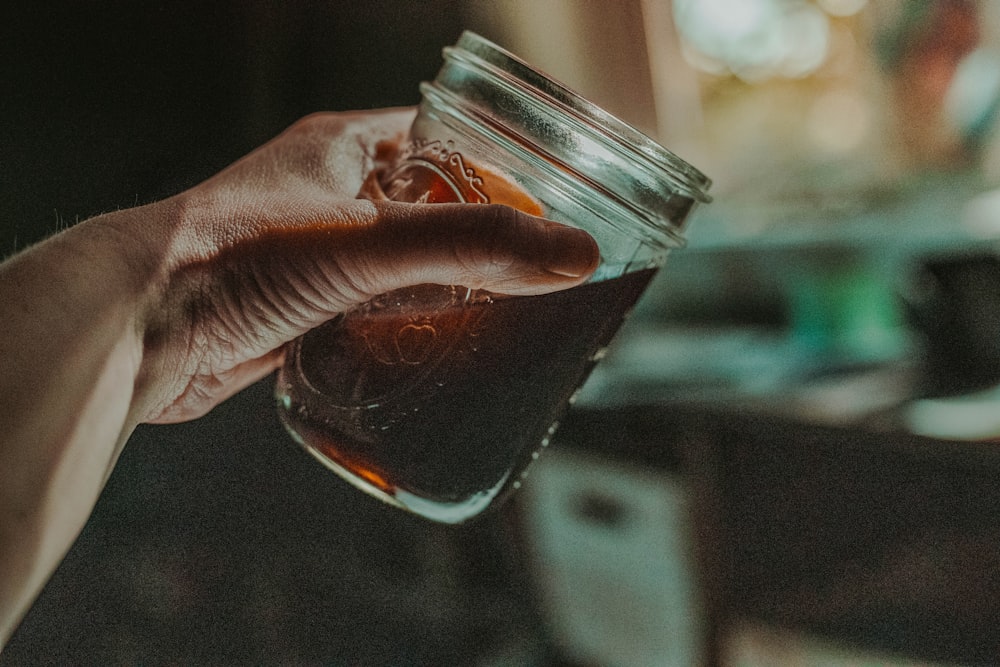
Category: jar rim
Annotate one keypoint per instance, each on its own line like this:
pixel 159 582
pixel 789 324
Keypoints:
pixel 639 146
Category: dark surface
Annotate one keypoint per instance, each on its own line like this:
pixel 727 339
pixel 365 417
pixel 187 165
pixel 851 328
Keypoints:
pixel 884 541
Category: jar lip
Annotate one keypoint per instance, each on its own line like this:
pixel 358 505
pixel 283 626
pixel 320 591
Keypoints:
pixel 645 149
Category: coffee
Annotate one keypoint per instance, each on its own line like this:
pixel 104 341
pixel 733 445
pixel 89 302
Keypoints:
pixel 441 411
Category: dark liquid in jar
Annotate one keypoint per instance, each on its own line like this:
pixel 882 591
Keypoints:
pixel 441 412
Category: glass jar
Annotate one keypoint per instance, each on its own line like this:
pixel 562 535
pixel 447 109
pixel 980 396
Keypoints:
pixel 437 398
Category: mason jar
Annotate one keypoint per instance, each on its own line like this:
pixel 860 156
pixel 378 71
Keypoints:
pixel 437 398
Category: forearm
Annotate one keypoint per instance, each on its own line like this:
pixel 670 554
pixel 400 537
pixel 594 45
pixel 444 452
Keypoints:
pixel 69 354
pixel 159 313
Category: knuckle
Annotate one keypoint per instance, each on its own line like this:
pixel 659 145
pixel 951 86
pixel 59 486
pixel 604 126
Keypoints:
pixel 319 121
pixel 492 251
pixel 505 219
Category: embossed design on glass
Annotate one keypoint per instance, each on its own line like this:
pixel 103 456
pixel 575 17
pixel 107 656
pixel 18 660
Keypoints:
pixel 433 172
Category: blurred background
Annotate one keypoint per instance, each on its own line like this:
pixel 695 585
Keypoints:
pixel 788 457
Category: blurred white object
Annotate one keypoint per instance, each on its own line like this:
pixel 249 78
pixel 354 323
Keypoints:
pixel 610 551
pixel 973 417
pixel 755 645
pixel 981 216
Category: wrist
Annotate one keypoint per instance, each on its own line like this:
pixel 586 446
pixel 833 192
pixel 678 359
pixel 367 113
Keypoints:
pixel 149 242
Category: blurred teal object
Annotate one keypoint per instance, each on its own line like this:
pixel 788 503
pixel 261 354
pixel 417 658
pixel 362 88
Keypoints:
pixel 842 307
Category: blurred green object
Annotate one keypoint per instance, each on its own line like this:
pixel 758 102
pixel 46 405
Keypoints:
pixel 842 307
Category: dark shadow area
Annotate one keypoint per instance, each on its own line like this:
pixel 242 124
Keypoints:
pixel 113 104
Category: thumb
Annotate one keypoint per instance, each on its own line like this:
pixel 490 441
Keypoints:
pixel 481 246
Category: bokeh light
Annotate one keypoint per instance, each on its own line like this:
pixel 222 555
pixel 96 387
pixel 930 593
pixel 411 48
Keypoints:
pixel 759 39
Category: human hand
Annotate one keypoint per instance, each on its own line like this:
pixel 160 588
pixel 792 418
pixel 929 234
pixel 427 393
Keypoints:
pixel 158 313
pixel 279 243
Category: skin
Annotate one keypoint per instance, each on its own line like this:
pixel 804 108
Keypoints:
pixel 156 314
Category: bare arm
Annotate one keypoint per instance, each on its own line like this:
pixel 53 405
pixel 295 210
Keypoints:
pixel 156 314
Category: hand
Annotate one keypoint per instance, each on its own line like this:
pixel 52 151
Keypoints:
pixel 279 243
pixel 158 313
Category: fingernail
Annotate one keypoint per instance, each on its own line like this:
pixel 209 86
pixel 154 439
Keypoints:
pixel 573 253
